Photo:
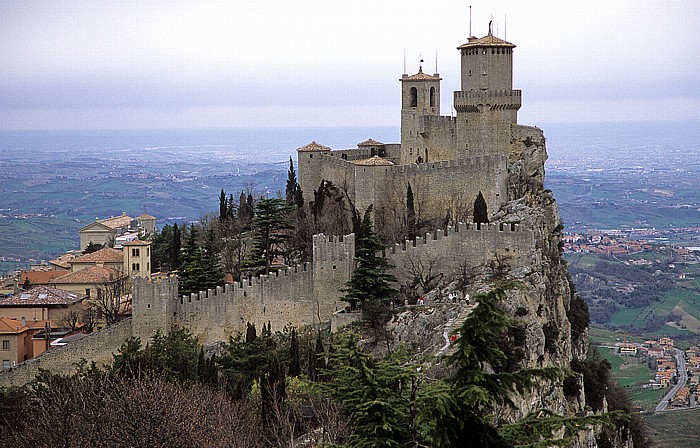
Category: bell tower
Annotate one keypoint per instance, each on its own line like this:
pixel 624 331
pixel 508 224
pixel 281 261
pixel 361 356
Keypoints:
pixel 487 105
pixel 420 97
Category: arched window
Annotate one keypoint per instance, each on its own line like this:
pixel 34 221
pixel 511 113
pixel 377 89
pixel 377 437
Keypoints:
pixel 432 96
pixel 413 97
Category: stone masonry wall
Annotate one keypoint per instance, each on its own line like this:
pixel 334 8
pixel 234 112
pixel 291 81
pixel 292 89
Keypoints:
pixel 303 295
pixel 465 246
pixel 98 347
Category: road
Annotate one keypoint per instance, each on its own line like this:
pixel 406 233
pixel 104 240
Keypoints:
pixel 682 378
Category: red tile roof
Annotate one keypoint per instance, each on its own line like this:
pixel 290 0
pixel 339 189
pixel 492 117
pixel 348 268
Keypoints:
pixel 39 277
pixel 370 142
pixel 486 41
pixel 104 255
pixel 92 275
pixel 374 161
pixel 313 146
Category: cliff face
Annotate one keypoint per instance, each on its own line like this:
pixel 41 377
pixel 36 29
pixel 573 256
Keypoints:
pixel 542 300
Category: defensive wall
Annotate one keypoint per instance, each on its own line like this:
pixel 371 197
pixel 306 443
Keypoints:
pixel 302 295
pixel 307 294
pixel 464 246
pixel 437 186
pixel 98 347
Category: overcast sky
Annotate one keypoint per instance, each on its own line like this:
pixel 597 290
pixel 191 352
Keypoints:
pixel 306 63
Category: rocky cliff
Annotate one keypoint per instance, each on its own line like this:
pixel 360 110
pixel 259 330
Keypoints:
pixel 542 299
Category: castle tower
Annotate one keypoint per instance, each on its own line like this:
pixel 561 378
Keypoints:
pixel 309 167
pixel 420 97
pixel 487 105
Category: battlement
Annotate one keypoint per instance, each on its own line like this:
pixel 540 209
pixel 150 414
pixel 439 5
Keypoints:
pixel 482 163
pixel 464 246
pixel 333 248
pixel 438 121
pixel 462 231
pixel 471 100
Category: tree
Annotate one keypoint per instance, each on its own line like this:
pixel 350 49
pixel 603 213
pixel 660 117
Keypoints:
pixel 376 393
pixel 411 224
pixel 292 185
pixel 270 228
pixel 223 206
pixel 175 260
pixel 112 297
pixel 92 247
pixel 294 355
pixel 370 283
pixel 460 409
pixel 481 214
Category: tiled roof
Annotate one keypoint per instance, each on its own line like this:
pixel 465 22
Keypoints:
pixel 39 277
pixel 486 41
pixel 370 142
pixel 313 146
pixel 63 261
pixel 137 243
pixel 374 161
pixel 104 255
pixel 43 295
pixel 420 76
pixel 92 275
pixel 145 216
pixel 11 326
pixel 117 221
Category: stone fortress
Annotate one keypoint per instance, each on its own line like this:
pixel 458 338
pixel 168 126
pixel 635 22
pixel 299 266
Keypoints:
pixel 447 161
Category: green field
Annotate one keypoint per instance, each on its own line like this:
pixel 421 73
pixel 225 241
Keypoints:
pixel 603 336
pixel 632 375
pixel 675 429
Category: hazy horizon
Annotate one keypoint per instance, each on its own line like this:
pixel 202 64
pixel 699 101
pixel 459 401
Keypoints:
pixel 168 65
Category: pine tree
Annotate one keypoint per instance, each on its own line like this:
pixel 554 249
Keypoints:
pixel 376 393
pixel 213 274
pixel 481 214
pixel 270 234
pixel 370 284
pixel 92 247
pixel 458 412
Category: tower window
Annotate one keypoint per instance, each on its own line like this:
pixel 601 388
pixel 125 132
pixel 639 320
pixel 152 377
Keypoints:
pixel 413 97
pixel 432 96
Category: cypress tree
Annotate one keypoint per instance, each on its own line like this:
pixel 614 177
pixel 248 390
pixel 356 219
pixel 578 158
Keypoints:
pixel 175 246
pixel 292 185
pixel 294 357
pixel 250 333
pixel 223 206
pixel 410 213
pixel 481 214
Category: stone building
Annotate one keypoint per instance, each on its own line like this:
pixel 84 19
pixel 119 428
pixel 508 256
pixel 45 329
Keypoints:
pixel 105 231
pixel 446 160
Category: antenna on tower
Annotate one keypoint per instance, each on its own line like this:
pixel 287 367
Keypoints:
pixel 404 62
pixel 436 70
pixel 505 27
pixel 470 20
pixel 420 58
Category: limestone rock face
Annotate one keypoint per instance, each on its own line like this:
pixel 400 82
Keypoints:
pixel 542 300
